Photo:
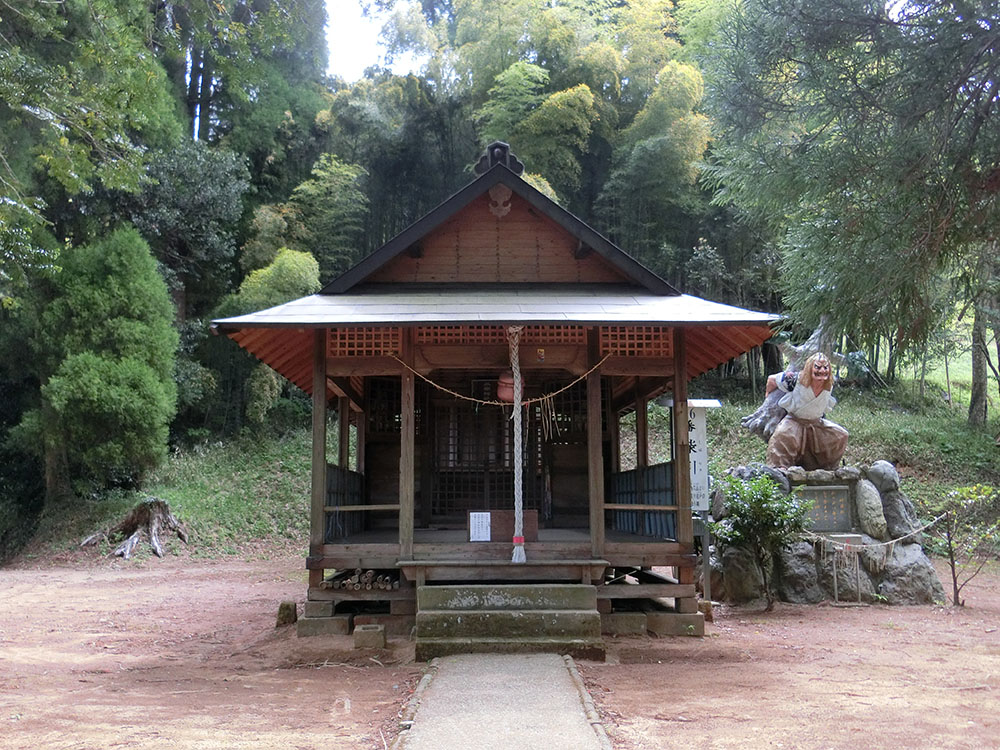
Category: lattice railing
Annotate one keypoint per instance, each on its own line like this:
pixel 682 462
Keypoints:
pixel 364 342
pixel 629 341
pixel 492 334
pixel 637 341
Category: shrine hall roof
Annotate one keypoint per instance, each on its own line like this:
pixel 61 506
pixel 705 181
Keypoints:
pixel 594 304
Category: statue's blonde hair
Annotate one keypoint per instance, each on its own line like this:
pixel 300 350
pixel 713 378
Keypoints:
pixel 805 377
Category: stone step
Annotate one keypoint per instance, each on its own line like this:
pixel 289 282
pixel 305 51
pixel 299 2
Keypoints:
pixel 546 596
pixel 503 623
pixel 579 648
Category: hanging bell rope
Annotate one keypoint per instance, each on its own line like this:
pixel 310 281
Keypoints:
pixel 514 339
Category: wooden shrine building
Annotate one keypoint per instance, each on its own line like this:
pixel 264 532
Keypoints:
pixel 409 346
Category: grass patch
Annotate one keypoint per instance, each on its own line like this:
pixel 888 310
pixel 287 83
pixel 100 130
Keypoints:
pixel 234 497
pixel 235 494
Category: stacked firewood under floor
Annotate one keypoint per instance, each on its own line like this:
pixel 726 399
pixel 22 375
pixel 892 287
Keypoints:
pixel 362 580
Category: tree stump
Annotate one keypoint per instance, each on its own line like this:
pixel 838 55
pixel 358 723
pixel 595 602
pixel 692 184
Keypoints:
pixel 146 520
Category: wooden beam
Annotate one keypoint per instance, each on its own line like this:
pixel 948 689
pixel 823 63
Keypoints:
pixel 350 366
pixel 427 474
pixel 595 453
pixel 641 432
pixel 647 388
pixel 645 590
pixel 317 525
pixel 614 424
pixel 343 433
pixel 407 448
pixel 347 508
pixel 343 387
pixel 682 451
pixel 637 506
pixel 362 429
pixel 652 366
pixel 641 455
pixel 569 357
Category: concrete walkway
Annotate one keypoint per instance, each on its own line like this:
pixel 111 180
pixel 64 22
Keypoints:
pixel 500 702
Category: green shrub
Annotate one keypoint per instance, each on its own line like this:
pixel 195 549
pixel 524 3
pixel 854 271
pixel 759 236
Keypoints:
pixel 761 519
pixel 104 352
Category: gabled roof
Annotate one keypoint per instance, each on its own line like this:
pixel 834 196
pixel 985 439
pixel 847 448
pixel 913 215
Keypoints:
pixel 388 289
pixel 498 171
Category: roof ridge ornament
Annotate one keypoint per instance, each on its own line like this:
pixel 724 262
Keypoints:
pixel 498 152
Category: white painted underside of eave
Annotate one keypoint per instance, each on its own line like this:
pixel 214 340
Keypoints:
pixel 491 306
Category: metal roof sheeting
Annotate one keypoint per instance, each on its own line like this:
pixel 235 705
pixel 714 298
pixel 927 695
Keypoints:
pixel 550 304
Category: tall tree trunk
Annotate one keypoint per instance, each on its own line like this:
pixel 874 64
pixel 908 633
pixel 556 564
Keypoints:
pixel 772 358
pixel 947 380
pixel 194 86
pixel 977 401
pixel 996 341
pixel 205 100
pixel 57 484
pixel 893 361
pixel 923 372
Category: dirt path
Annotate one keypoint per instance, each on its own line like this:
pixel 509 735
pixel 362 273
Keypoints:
pixel 177 653
pixel 813 677
pixel 184 653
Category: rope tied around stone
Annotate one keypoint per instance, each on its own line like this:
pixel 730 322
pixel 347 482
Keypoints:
pixel 844 548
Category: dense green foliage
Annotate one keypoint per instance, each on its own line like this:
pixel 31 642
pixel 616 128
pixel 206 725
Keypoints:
pixel 189 211
pixel 761 519
pixel 325 215
pixel 867 136
pixel 103 345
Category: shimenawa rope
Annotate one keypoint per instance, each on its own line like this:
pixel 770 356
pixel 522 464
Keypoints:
pixel 514 337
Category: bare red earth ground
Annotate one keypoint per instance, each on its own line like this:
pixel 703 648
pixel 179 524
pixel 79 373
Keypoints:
pixel 813 677
pixel 184 653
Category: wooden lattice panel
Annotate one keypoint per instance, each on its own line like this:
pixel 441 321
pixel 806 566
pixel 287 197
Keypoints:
pixel 637 341
pixel 364 342
pixel 464 335
pixel 553 335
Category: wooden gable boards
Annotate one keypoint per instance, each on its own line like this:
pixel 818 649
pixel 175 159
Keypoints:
pixel 499 229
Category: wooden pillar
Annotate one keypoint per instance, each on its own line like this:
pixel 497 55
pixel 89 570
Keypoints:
pixel 595 453
pixel 682 456
pixel 407 444
pixel 641 432
pixel 344 432
pixel 641 457
pixel 614 428
pixel 362 426
pixel 317 516
pixel 427 462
